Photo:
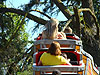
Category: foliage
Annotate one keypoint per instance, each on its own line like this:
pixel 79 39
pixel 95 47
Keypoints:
pixel 27 71
pixel 96 8
pixel 11 51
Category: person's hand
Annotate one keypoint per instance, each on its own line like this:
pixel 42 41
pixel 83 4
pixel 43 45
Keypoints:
pixel 68 60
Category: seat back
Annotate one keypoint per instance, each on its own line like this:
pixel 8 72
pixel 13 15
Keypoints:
pixel 71 54
pixel 71 36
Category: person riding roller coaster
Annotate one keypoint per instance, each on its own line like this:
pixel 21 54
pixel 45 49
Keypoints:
pixel 69 34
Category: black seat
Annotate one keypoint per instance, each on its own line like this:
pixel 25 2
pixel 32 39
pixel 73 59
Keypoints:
pixel 71 56
pixel 69 34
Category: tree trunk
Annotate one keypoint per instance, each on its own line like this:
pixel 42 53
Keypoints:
pixel 77 16
pixel 90 44
pixel 87 17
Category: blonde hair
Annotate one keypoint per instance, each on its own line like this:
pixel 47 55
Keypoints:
pixel 51 29
pixel 54 48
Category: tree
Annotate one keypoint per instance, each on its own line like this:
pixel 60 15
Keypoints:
pixel 85 23
pixel 13 40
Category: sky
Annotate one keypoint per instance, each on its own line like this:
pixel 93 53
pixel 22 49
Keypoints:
pixel 30 26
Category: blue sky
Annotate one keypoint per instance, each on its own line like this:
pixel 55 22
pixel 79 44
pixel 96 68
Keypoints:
pixel 18 3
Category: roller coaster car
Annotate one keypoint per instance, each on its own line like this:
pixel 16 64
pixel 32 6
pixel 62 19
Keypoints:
pixel 72 36
pixel 75 57
pixel 72 54
pixel 82 62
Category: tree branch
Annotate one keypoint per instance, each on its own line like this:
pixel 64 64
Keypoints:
pixel 68 22
pixel 61 6
pixel 66 12
pixel 41 13
pixel 20 12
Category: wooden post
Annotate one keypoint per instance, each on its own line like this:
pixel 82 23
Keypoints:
pixel 77 16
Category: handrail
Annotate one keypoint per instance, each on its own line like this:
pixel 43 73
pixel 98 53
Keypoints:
pixel 61 41
pixel 74 68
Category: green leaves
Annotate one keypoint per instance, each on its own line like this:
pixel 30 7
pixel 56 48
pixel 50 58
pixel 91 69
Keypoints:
pixel 13 40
